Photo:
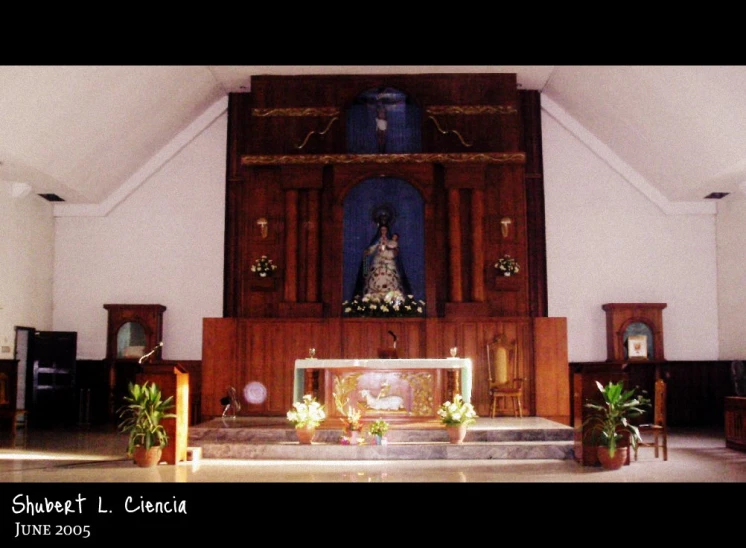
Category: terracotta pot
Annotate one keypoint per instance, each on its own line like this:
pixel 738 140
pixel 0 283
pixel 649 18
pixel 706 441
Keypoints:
pixel 615 462
pixel 305 434
pixel 147 458
pixel 456 433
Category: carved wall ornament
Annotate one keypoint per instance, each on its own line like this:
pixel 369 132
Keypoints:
pixel 311 111
pixel 444 158
pixel 322 132
pixel 505 223
pixel 471 109
pixel 446 132
pixel 263 226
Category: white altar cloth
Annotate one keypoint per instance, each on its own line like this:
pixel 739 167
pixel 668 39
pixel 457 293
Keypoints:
pixel 463 364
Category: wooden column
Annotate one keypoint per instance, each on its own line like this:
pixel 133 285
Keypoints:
pixel 477 260
pixel 312 275
pixel 454 238
pixel 291 246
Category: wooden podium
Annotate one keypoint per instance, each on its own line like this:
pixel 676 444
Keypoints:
pixel 173 380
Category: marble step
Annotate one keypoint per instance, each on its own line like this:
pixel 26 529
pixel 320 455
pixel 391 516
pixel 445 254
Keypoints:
pixel 499 438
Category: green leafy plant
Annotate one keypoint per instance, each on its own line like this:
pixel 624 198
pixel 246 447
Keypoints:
pixel 307 413
pixel 457 412
pixel 379 427
pixel 609 421
pixel 141 415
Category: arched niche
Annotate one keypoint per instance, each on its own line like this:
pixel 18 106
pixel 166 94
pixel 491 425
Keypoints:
pixel 383 120
pixel 638 341
pixel 404 207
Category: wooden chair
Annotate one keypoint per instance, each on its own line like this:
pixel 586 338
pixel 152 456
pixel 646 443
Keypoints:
pixel 504 382
pixel 655 434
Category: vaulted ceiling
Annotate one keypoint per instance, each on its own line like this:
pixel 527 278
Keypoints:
pixel 84 132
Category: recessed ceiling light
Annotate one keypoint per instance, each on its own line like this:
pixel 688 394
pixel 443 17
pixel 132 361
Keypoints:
pixel 716 195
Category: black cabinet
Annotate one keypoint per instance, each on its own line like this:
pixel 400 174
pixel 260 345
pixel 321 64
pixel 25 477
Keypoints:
pixel 52 398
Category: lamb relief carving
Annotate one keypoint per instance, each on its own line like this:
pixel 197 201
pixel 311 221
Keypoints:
pixel 385 403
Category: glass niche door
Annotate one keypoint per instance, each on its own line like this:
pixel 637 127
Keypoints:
pixel 131 341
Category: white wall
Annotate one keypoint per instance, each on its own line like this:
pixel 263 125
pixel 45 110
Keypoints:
pixel 731 242
pixel 607 242
pixel 26 265
pixel 162 245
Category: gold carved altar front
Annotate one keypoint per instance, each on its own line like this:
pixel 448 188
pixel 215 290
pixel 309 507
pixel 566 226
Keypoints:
pixel 392 389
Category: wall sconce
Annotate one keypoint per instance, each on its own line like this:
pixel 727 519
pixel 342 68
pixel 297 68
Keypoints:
pixel 505 223
pixel 263 224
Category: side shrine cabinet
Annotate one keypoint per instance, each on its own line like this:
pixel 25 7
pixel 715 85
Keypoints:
pixel 634 331
pixel 133 330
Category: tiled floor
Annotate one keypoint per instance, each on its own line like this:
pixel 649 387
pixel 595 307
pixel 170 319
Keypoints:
pixel 96 455
pixel 238 500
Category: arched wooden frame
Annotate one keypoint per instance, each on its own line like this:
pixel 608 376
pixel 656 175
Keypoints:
pixel 619 316
pixel 359 226
pixel 346 177
pixel 149 316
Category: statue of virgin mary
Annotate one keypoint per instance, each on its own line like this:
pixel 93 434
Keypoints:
pixel 381 269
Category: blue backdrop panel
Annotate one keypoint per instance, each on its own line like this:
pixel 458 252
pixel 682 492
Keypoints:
pixel 403 121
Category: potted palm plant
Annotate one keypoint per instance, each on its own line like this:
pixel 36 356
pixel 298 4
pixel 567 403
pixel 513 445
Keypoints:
pixel 141 417
pixel 609 423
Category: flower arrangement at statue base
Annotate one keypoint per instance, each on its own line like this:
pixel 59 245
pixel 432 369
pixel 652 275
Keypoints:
pixel 457 416
pixel 393 304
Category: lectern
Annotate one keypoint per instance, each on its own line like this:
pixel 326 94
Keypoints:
pixel 173 380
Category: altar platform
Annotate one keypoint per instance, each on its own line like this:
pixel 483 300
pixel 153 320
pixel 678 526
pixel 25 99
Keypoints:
pixel 273 438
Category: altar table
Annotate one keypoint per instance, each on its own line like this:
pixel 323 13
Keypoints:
pixel 425 394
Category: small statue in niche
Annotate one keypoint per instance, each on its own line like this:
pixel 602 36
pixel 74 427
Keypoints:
pixel 381 125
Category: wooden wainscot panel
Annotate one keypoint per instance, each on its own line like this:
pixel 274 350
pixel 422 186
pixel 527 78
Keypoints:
pixel 219 362
pixel 735 423
pixel 239 351
pixel 552 369
pixel 363 338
